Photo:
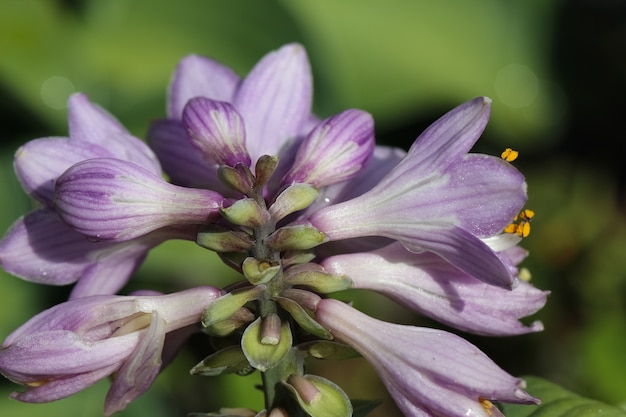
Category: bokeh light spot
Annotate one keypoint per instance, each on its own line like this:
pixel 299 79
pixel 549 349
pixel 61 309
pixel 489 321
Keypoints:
pixel 516 85
pixel 55 92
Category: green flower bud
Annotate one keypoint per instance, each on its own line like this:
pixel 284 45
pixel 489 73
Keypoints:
pixel 303 318
pixel 225 327
pixel 246 212
pixel 293 198
pixel 314 277
pixel 239 178
pixel 226 361
pixel 228 304
pixel 259 272
pixel 319 397
pixel 264 169
pixel 264 356
pixel 221 239
pixel 326 349
pixel 295 237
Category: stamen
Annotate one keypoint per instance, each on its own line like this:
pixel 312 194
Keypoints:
pixel 509 155
pixel 521 223
pixel 487 405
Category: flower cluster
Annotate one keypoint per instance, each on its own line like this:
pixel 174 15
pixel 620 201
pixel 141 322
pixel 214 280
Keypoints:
pixel 302 208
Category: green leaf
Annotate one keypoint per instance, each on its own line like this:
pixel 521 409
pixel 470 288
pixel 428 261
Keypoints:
pixel 559 402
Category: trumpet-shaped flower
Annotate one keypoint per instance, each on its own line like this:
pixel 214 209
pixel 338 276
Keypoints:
pixel 73 345
pixel 40 247
pixel 439 198
pixel 427 284
pixel 428 372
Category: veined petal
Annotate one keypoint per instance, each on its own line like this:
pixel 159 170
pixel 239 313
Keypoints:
pixel 335 150
pixel 115 200
pixel 425 370
pixel 41 248
pixel 217 130
pixel 426 283
pixel 275 100
pixel 137 374
pixel 181 160
pixel 197 76
pixel 447 139
pixel 39 162
pixel 90 123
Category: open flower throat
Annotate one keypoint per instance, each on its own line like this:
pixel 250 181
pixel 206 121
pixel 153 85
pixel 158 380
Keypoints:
pixel 302 208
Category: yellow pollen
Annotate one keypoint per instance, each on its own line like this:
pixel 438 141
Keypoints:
pixel 521 223
pixel 509 155
pixel 36 384
pixel 487 405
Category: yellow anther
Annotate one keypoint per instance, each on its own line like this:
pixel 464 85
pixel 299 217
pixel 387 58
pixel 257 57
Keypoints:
pixel 527 214
pixel 509 155
pixel 512 228
pixel 521 223
pixel 487 405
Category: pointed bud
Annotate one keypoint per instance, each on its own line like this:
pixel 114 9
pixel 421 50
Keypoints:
pixel 265 356
pixel 226 361
pixel 303 318
pixel 227 326
pixel 246 212
pixel 228 304
pixel 293 198
pixel 265 167
pixel 237 178
pixel 319 397
pixel 259 272
pixel 217 131
pixel 221 239
pixel 295 237
pixel 327 349
pixel 314 277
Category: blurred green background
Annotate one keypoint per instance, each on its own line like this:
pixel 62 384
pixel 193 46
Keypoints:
pixel 556 71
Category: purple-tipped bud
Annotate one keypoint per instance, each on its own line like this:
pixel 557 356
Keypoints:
pixel 110 199
pixel 217 130
pixel 335 150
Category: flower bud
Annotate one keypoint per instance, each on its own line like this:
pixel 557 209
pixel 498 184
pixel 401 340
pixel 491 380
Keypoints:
pixel 246 212
pixel 265 167
pixel 228 304
pixel 293 198
pixel 313 276
pixel 221 239
pixel 319 397
pixel 264 356
pixel 295 237
pixel 226 361
pixel 259 272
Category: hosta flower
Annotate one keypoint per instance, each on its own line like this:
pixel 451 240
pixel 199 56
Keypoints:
pixel 439 198
pixel 428 372
pixel 435 288
pixel 301 207
pixel 40 247
pixel 73 345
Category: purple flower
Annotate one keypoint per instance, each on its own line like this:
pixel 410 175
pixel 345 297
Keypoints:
pixel 439 198
pixel 428 372
pixel 429 285
pixel 73 345
pixel 40 247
